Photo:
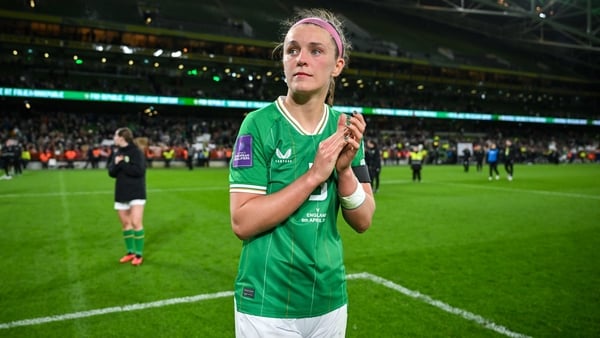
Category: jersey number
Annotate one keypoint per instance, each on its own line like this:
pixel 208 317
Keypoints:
pixel 318 195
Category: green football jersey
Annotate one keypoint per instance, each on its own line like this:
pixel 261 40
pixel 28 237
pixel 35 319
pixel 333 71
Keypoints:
pixel 296 269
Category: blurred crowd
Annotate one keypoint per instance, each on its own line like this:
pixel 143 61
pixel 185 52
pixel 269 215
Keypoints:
pixel 442 139
pixel 65 138
pixel 70 137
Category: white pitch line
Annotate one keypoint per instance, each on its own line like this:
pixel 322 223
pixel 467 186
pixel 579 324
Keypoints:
pixel 106 192
pixel 363 275
pixel 507 189
pixel 439 304
pixel 538 192
pixel 132 307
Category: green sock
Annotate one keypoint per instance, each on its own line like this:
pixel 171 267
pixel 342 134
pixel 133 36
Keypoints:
pixel 129 244
pixel 138 236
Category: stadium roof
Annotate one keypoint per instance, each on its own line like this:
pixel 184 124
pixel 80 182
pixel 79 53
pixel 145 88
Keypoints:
pixel 564 30
pixel 569 29
pixel 561 32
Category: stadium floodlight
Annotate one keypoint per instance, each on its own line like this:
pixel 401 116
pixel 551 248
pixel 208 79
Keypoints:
pixel 126 49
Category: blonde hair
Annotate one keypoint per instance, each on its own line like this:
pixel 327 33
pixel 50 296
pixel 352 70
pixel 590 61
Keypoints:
pixel 335 22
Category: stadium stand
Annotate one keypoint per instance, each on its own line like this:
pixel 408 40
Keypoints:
pixel 222 50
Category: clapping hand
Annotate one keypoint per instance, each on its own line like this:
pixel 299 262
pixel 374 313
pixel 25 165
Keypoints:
pixel 353 133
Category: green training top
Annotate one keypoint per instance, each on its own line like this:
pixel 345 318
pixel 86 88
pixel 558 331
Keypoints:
pixel 296 269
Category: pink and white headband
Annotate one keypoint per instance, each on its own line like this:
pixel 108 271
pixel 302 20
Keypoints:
pixel 328 27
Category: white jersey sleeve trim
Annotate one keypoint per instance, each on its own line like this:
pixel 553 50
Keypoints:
pixel 248 188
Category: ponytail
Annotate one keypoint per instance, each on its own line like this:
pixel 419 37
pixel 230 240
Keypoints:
pixel 330 92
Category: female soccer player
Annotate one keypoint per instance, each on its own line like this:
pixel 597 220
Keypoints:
pixel 129 168
pixel 295 162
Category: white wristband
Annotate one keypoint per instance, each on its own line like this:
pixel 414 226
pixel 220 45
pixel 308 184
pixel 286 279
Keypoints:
pixel 354 200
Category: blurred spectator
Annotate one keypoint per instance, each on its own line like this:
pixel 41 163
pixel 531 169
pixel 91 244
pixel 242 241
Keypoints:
pixel 45 157
pixel 70 156
pixel 168 155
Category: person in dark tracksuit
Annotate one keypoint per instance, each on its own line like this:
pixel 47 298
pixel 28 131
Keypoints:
pixel 479 154
pixel 189 159
pixel 7 154
pixel 127 165
pixel 509 154
pixel 373 159
pixel 466 159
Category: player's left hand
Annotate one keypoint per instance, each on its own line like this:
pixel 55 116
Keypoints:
pixel 355 127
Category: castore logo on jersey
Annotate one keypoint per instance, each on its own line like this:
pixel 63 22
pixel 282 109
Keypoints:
pixel 283 157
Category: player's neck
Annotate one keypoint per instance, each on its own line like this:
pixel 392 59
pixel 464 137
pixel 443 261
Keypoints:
pixel 309 114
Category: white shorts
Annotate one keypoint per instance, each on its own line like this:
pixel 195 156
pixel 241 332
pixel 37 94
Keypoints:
pixel 127 206
pixel 332 324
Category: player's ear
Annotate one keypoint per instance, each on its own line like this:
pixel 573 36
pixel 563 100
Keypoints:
pixel 339 66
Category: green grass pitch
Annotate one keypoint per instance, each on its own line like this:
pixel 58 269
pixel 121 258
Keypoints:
pixel 453 256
